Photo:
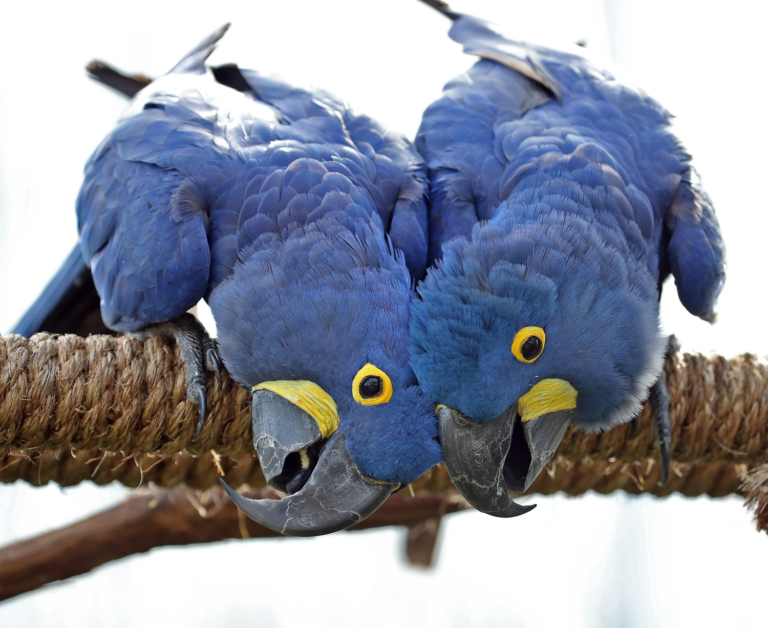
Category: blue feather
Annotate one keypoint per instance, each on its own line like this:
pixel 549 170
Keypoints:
pixel 560 199
pixel 302 223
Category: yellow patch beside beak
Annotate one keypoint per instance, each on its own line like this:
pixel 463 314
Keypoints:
pixel 549 395
pixel 310 398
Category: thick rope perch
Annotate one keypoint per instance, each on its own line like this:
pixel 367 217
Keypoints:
pixel 113 409
pixel 128 395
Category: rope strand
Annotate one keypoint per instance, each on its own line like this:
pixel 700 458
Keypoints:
pixel 106 409
pixel 128 395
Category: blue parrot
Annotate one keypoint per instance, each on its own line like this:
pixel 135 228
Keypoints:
pixel 303 225
pixel 560 202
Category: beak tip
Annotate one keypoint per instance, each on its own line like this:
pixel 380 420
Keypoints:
pixel 233 494
pixel 313 510
pixel 513 509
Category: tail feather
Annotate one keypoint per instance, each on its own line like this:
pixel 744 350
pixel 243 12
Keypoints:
pixel 194 61
pixel 69 304
pixel 482 39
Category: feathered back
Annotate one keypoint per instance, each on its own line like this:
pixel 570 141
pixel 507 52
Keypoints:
pixel 503 126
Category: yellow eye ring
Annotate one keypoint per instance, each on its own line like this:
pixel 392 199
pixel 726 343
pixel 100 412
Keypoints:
pixel 371 386
pixel 528 344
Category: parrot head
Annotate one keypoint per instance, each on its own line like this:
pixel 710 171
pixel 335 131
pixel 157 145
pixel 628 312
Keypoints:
pixel 521 332
pixel 338 419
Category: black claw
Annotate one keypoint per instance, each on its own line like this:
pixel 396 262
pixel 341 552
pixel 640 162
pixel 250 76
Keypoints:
pixel 198 353
pixel 213 360
pixel 635 427
pixel 665 463
pixel 673 345
pixel 201 404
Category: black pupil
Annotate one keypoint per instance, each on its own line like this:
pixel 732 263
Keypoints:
pixel 531 348
pixel 371 386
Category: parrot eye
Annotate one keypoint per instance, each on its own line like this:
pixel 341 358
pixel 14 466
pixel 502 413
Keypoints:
pixel 371 386
pixel 531 348
pixel 528 344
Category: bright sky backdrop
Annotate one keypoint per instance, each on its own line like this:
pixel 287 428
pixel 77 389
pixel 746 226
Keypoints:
pixel 592 561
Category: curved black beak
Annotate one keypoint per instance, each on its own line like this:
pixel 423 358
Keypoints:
pixel 285 438
pixel 474 454
pixel 485 460
pixel 334 498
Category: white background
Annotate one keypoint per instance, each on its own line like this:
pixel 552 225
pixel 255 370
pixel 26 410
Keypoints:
pixel 592 561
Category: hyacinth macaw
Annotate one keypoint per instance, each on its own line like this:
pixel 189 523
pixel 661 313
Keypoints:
pixel 560 202
pixel 303 225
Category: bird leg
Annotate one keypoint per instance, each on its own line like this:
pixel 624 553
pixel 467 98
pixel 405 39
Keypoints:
pixel 198 353
pixel 658 397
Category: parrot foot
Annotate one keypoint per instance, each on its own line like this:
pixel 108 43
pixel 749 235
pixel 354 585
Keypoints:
pixel 659 399
pixel 198 353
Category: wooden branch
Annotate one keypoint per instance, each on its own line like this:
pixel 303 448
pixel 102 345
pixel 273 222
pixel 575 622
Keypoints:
pixel 122 83
pixel 176 517
pixel 421 542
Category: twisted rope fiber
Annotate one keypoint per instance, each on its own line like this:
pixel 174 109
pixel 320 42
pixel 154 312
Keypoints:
pixel 114 409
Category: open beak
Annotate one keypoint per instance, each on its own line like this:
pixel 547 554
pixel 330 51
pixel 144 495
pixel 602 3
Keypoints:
pixel 290 419
pixel 333 498
pixel 286 439
pixel 485 460
pixel 295 433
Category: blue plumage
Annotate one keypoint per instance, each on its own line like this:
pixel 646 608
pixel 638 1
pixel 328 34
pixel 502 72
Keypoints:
pixel 302 223
pixel 560 200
